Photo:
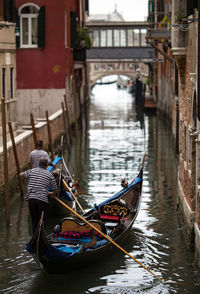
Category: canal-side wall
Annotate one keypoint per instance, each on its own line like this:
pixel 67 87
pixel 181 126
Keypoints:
pixel 187 216
pixel 197 244
pixel 24 145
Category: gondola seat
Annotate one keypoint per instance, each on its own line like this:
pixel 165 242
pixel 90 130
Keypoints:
pixel 70 224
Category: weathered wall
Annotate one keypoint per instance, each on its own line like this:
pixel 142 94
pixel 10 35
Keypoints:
pixel 37 101
pixel 165 85
pixel 25 144
pixel 8 63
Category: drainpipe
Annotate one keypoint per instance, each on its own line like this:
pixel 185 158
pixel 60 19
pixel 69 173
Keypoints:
pixel 156 15
pixel 198 65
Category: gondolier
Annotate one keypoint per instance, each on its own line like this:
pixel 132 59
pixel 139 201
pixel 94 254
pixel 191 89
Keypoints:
pixel 37 153
pixel 40 181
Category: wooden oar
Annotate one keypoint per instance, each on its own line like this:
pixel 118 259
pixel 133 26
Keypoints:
pixel 144 157
pixel 68 188
pixel 106 237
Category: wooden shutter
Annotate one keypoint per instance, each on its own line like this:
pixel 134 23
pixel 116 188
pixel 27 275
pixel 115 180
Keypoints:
pixel 41 27
pixel 17 26
pixel 1 9
pixel 191 5
pixel 87 5
pixel 73 29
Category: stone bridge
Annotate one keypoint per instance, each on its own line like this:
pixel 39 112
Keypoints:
pixel 118 48
pixel 98 70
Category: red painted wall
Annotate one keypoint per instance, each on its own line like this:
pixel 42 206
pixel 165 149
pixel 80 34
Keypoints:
pixel 47 68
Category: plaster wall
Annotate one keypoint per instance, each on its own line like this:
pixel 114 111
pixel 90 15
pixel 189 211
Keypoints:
pixel 37 101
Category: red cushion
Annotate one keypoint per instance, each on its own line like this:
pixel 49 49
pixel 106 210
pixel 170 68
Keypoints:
pixel 109 217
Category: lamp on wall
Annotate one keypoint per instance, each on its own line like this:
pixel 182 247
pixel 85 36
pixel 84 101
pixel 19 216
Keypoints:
pixel 16 31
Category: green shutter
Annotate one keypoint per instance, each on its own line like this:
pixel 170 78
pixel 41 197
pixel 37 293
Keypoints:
pixel 17 28
pixel 73 29
pixel 41 27
pixel 87 5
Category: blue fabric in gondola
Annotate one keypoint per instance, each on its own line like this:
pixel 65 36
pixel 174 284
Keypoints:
pixel 118 194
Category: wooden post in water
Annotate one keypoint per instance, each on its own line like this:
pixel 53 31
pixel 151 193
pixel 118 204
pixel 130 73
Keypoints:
pixel 68 120
pixel 16 160
pixel 5 161
pixel 78 86
pixel 33 129
pixel 65 126
pixel 49 134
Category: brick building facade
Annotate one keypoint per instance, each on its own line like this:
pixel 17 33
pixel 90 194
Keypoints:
pixel 180 18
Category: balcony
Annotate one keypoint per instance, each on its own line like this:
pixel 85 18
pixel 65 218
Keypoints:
pixel 159 34
pixel 80 54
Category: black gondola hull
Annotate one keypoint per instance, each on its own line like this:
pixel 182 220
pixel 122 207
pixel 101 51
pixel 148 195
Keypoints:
pixel 62 264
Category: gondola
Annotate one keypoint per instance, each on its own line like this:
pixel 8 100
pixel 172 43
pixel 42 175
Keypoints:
pixel 74 244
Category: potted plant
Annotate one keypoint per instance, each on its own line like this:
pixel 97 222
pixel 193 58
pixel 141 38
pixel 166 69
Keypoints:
pixel 83 39
pixel 83 42
pixel 181 19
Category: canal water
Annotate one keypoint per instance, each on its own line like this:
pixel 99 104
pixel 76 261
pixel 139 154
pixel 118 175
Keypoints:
pixel 111 148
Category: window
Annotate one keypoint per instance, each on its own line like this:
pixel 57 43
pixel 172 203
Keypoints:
pixel 66 28
pixel 11 82
pixel 143 37
pixel 136 37
pixel 29 26
pixel 109 38
pixel 123 38
pixel 103 38
pixel 130 38
pixel 116 38
pixel 96 38
pixel 7 10
pixel 3 82
pixel 73 25
pixel 185 142
pixel 1 10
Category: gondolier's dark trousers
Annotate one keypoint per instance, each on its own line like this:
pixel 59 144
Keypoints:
pixel 35 208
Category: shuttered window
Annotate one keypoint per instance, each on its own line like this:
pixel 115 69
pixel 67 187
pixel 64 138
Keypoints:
pixel 31 23
pixel 191 5
pixel 9 10
pixel 73 29
pixel 1 10
pixel 41 27
pixel 3 82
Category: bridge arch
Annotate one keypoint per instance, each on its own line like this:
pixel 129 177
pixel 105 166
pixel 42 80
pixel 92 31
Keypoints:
pixel 102 75
pixel 100 70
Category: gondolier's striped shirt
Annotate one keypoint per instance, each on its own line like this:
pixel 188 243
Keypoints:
pixel 40 181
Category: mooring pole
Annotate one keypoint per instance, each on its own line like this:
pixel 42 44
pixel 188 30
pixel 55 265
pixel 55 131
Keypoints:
pixel 16 159
pixel 49 134
pixel 5 160
pixel 33 129
pixel 68 120
pixel 75 107
pixel 65 126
